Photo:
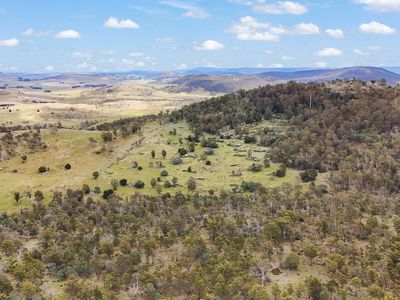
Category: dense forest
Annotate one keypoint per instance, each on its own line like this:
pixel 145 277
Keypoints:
pixel 226 245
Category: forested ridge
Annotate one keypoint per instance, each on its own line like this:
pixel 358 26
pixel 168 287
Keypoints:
pixel 350 127
pixel 336 240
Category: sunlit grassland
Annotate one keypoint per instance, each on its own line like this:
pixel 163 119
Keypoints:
pixel 73 147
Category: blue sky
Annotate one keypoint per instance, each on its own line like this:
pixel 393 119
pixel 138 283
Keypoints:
pixel 121 35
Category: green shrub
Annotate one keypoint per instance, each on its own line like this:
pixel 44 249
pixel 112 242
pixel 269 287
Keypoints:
pixel 256 167
pixel 107 193
pixel 209 143
pixel 139 184
pixel 123 182
pixel 291 261
pixel 209 152
pixel 86 189
pixel 67 167
pixel 182 151
pixel 249 139
pixel 42 169
pixel 309 175
pixel 250 186
pixel 167 184
pixel 164 173
pixel 281 172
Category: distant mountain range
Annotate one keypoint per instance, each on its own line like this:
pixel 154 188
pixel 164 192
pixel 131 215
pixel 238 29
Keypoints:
pixel 219 80
pixel 228 80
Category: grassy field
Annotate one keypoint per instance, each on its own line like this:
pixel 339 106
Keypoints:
pixel 72 106
pixel 72 146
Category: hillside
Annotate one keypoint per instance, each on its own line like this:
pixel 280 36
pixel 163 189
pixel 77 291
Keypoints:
pixel 286 191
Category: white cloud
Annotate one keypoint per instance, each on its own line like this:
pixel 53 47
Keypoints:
pixel 82 55
pixel 49 68
pixel 377 28
pixel 281 7
pixel 330 52
pixel 277 65
pixel 196 14
pixel 380 5
pixel 182 66
pixel 287 58
pixel 192 11
pixel 84 65
pixel 68 34
pixel 107 52
pixel 242 2
pixel 9 43
pixel 374 48
pixel 335 33
pixel 360 52
pixel 120 24
pixel 306 29
pixel 267 51
pixel 87 66
pixel 249 29
pixel 210 45
pixel 321 64
pixel 131 63
pixel 34 32
pixel 136 54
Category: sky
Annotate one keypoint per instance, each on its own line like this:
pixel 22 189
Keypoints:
pixel 46 36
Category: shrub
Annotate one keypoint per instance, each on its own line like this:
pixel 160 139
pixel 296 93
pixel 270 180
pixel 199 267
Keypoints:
pixel 96 174
pixel 212 144
pixel 266 161
pixel 191 184
pixel 249 139
pixel 67 167
pixel 281 172
pixel 250 186
pixel 208 163
pixel 209 143
pixel 164 173
pixel 5 286
pixel 139 184
pixel 189 169
pixel 309 175
pixel 153 182
pixel 107 193
pixel 140 168
pixel 291 261
pixel 38 196
pixel 42 169
pixel 176 160
pixel 182 151
pixel 123 182
pixel 209 152
pixel 167 184
pixel 97 190
pixel 322 188
pixel 256 167
pixel 86 189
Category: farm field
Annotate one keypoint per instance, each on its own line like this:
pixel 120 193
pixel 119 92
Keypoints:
pixel 71 103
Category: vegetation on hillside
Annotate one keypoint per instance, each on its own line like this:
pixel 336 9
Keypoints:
pixel 334 239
